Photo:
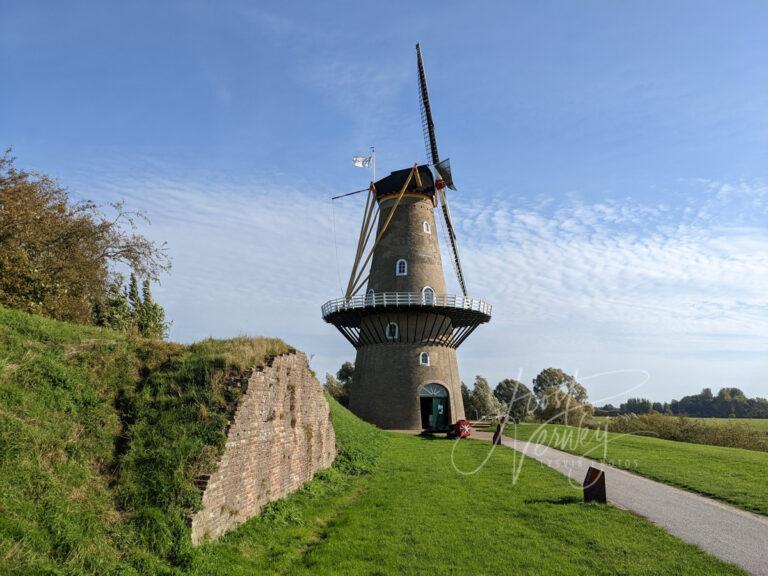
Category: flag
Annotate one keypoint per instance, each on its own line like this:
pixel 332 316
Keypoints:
pixel 362 161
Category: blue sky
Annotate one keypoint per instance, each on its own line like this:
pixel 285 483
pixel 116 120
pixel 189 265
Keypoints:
pixel 610 157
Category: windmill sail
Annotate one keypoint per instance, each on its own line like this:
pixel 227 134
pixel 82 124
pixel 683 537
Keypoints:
pixel 443 167
pixel 428 126
pixel 452 240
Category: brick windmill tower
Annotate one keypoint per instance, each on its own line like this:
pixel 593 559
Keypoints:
pixel 405 326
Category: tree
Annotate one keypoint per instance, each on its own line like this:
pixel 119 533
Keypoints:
pixel 346 374
pixel 556 405
pixel 482 402
pixel 336 389
pixel 126 309
pixel 554 378
pixel 113 310
pixel 465 397
pixel 561 397
pixel 728 403
pixel 133 294
pixel 342 383
pixel 57 257
pixel 606 410
pixel 150 316
pixel 516 396
pixel 637 406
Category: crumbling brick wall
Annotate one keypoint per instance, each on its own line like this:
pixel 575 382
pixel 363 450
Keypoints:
pixel 280 436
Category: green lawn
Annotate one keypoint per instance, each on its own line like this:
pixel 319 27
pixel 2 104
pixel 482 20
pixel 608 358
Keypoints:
pixel 733 475
pixel 760 424
pixel 415 514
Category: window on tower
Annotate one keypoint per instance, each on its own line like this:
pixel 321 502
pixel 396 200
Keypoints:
pixel 428 295
pixel 401 268
pixel 427 227
pixel 393 331
pixel 424 358
pixel 369 297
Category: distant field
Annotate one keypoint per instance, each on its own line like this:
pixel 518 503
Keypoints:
pixel 755 423
pixel 730 474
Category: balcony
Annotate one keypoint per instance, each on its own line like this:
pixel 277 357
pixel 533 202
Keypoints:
pixel 404 299
pixel 454 317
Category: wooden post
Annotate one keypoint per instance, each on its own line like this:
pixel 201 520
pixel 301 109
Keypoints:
pixel 594 486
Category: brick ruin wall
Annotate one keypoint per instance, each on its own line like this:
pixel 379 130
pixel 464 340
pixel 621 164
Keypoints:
pixel 280 436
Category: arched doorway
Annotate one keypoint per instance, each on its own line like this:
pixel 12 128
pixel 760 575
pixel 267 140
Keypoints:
pixel 435 407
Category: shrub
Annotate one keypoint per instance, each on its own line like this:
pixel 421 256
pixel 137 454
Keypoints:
pixel 682 429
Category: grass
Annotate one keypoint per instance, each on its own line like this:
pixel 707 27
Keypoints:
pixel 759 424
pixel 277 540
pixel 101 437
pixel 732 475
pixel 411 512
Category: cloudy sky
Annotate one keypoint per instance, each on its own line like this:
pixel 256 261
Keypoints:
pixel 611 157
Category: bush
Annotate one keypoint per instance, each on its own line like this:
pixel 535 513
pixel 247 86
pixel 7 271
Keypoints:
pixel 682 429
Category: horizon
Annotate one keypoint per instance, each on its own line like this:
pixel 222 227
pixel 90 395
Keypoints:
pixel 613 190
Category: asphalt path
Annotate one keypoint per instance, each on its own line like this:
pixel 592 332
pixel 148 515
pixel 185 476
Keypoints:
pixel 733 535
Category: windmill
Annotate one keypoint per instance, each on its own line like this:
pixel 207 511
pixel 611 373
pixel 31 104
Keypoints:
pixel 406 327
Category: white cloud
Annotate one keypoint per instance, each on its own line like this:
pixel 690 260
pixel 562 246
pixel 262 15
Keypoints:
pixel 620 285
pixel 586 287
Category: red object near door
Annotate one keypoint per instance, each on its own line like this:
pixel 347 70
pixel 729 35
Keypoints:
pixel 462 429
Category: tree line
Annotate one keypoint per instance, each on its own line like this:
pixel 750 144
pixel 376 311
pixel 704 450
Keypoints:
pixel 62 258
pixel 727 403
pixel 555 396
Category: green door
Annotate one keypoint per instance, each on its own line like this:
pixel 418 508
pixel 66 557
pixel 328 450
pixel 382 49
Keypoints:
pixel 440 413
pixel 435 406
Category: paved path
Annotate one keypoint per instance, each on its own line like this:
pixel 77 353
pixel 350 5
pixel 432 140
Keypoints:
pixel 728 533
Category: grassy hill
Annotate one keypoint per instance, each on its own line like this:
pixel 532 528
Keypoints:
pixel 101 437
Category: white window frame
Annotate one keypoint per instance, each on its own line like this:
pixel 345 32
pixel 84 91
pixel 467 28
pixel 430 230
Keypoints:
pixel 405 267
pixel 425 291
pixel 422 356
pixel 427 227
pixel 396 335
pixel 369 297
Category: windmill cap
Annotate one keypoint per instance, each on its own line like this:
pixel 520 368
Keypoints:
pixel 393 183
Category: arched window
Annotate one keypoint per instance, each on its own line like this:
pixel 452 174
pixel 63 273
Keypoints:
pixel 427 227
pixel 424 358
pixel 393 331
pixel 401 268
pixel 428 295
pixel 369 297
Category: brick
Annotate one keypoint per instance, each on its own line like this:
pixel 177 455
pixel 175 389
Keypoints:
pixel 280 436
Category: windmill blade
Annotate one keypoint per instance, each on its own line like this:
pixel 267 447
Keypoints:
pixel 426 112
pixel 452 241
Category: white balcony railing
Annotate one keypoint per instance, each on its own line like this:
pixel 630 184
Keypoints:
pixel 385 299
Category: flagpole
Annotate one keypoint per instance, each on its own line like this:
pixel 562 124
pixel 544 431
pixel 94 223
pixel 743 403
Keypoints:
pixel 373 162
